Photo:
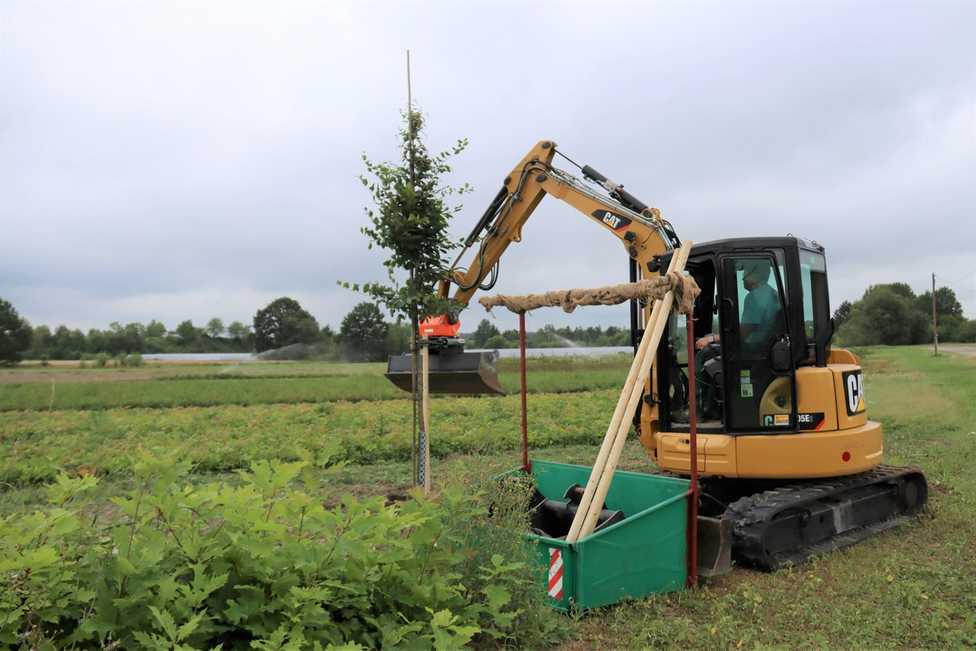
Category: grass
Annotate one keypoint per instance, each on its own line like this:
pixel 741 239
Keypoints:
pixel 912 587
pixel 255 384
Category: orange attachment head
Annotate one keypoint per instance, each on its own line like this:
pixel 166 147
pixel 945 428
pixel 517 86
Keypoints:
pixel 439 326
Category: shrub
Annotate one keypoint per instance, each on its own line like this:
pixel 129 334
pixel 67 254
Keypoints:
pixel 101 360
pixel 45 360
pixel 134 360
pixel 256 564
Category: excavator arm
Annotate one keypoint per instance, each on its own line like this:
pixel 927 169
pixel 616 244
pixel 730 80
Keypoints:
pixel 641 229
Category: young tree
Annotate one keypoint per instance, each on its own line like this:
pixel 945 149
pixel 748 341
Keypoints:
pixel 283 322
pixel 215 328
pixel 363 333
pixel 410 220
pixel 15 334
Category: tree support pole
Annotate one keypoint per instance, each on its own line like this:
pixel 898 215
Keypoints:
pixel 425 414
pixel 526 466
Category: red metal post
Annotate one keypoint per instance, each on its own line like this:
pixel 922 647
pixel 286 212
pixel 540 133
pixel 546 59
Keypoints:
pixel 693 444
pixel 526 466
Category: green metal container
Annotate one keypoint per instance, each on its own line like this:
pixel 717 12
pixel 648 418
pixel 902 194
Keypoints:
pixel 643 554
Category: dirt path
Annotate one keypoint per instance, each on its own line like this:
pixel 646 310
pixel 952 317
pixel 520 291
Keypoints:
pixel 968 350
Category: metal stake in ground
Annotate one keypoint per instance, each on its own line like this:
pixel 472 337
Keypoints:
pixel 424 452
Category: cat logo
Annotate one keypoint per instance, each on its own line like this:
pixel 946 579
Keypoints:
pixel 611 219
pixel 854 392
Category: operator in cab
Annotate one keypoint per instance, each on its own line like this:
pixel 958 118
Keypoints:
pixel 760 316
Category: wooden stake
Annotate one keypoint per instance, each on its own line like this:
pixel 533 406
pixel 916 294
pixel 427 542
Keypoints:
pixel 632 376
pixel 603 470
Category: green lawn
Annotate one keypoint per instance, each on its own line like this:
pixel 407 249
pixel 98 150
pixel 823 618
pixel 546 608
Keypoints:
pixel 912 587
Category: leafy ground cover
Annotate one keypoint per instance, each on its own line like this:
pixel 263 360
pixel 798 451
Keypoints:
pixel 35 445
pixel 912 587
pixel 252 384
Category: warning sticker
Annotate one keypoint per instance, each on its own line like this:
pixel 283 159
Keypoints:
pixel 746 389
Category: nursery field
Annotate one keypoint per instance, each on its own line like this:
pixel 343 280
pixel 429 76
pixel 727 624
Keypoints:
pixel 342 434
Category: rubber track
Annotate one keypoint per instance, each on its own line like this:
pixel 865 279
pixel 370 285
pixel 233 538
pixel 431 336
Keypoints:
pixel 751 514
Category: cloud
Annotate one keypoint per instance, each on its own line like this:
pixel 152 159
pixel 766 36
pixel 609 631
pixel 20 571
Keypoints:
pixel 176 160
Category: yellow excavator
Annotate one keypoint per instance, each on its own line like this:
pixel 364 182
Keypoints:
pixel 791 465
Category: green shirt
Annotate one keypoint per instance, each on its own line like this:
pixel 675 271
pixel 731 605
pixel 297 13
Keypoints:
pixel 760 310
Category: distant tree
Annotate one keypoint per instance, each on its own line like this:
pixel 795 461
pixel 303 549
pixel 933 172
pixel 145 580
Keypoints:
pixel 215 328
pixel 485 331
pixel 363 333
pixel 41 340
pixel 946 303
pixel 885 315
pixel 15 334
pixel 155 329
pixel 841 314
pixel 497 341
pixel 901 289
pixel 238 330
pixel 283 322
pixel 187 332
pixel 398 337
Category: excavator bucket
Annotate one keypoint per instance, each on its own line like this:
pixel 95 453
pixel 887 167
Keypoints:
pixel 450 372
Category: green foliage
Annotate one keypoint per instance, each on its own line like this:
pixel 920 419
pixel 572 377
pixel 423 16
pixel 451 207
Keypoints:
pixel 283 322
pixel 842 314
pixel 893 315
pixel 215 328
pixel 299 382
pixel 226 438
pixel 887 314
pixel 256 564
pixel 363 333
pixel 485 331
pixel 15 334
pixel 410 221
pixel 187 332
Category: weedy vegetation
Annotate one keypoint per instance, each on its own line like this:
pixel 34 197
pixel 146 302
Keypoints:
pixel 264 525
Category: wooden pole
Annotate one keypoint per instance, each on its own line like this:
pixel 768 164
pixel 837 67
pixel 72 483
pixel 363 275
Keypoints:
pixel 693 443
pixel 425 411
pixel 599 482
pixel 526 466
pixel 935 320
pixel 659 318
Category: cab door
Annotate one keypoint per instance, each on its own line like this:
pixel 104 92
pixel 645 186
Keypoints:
pixel 759 369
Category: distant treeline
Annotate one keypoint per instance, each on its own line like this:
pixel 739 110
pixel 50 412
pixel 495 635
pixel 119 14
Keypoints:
pixel 892 314
pixel 364 335
pixel 889 314
pixel 488 336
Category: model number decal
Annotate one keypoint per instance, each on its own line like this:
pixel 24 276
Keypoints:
pixel 612 219
pixel 854 392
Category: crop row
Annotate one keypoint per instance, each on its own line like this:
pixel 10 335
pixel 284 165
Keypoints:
pixel 34 445
pixel 266 390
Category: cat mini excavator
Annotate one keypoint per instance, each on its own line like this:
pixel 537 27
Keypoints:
pixel 791 464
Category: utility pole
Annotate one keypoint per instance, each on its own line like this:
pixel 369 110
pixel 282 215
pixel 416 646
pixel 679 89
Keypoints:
pixel 935 320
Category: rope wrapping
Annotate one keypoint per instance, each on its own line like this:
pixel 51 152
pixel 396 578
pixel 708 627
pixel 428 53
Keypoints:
pixel 684 287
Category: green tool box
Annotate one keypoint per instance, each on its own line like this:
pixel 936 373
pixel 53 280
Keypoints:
pixel 644 553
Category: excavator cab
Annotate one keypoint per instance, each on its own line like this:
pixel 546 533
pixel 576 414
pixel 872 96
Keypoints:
pixel 763 313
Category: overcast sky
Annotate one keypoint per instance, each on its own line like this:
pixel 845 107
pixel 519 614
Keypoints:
pixel 177 160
